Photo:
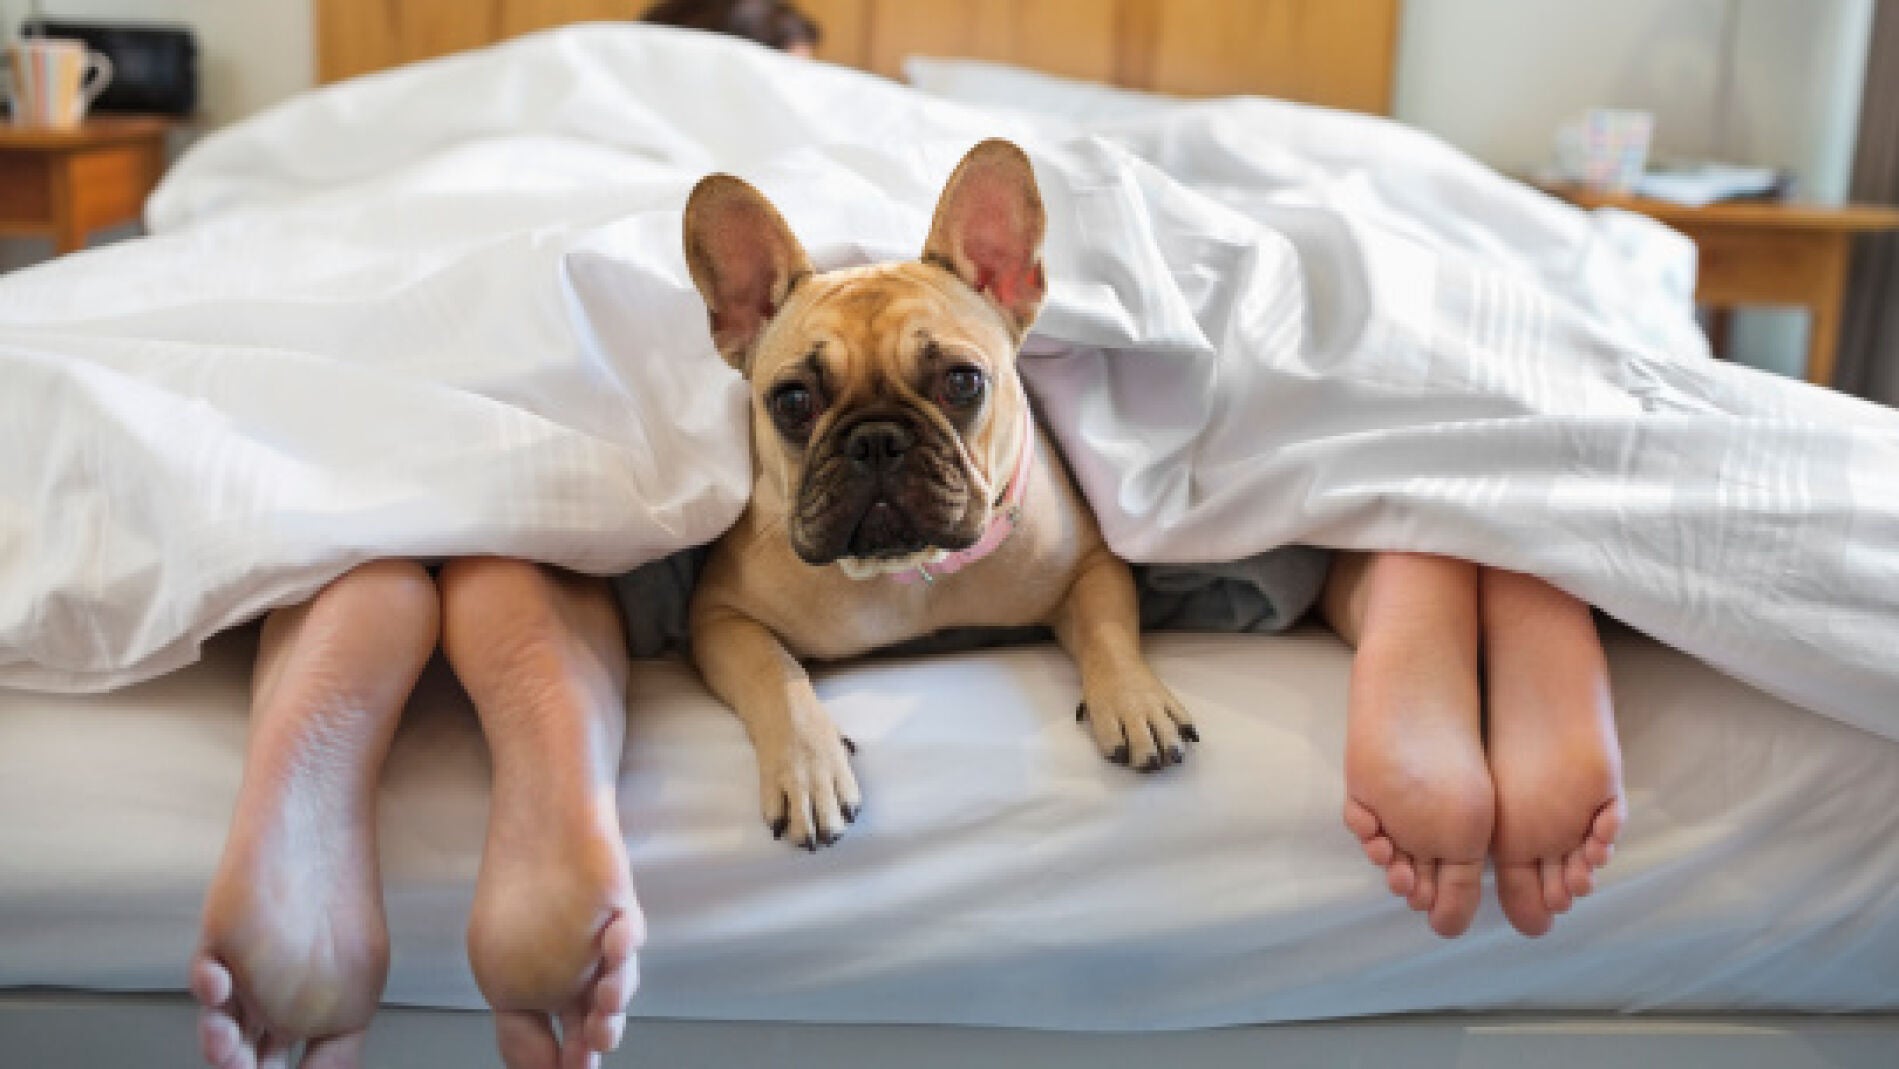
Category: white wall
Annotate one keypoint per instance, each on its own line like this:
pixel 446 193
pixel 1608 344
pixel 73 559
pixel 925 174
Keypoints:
pixel 1496 77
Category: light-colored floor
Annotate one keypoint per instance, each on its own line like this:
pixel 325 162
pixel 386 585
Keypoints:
pixel 71 1031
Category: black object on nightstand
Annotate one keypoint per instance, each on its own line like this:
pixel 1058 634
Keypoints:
pixel 154 65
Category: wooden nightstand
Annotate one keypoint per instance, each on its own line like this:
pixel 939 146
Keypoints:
pixel 65 184
pixel 1766 253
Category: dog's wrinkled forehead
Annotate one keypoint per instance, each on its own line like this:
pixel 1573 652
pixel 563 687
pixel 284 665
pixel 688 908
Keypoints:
pixel 986 235
pixel 869 322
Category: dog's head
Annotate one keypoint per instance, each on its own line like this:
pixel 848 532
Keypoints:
pixel 886 406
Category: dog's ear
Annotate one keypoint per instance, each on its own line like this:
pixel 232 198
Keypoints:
pixel 744 260
pixel 988 231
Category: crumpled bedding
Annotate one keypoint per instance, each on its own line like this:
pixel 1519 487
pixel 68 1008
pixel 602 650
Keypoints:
pixel 441 310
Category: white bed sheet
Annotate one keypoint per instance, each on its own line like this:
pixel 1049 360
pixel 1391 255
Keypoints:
pixel 1003 874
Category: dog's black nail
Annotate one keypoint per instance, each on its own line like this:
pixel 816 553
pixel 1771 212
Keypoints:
pixel 1176 754
pixel 810 844
pixel 1120 754
pixel 827 838
pixel 1190 733
pixel 850 814
pixel 1152 764
pixel 849 745
pixel 778 827
pixel 1081 712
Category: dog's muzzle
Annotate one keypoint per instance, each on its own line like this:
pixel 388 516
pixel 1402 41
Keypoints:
pixel 876 450
pixel 880 493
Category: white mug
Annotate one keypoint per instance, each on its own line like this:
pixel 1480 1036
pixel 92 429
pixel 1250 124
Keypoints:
pixel 1606 149
pixel 54 81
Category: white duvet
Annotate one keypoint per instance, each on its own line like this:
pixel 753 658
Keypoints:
pixel 443 310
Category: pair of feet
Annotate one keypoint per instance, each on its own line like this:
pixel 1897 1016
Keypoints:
pixel 294 949
pixel 1445 768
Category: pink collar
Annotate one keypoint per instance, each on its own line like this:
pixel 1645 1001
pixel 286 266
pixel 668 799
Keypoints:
pixel 1001 525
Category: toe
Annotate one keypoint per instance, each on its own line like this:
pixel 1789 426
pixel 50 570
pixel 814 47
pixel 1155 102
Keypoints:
pixel 210 982
pixel 801 827
pixel 1109 738
pixel 1380 850
pixel 827 816
pixel 836 795
pixel 1401 877
pixel 574 1051
pixel 218 1037
pixel 1183 724
pixel 1520 892
pixel 526 1041
pixel 850 798
pixel 1578 874
pixel 1362 821
pixel 1555 890
pixel 1167 740
pixel 1459 890
pixel 619 940
pixel 1598 853
pixel 1608 825
pixel 603 1031
pixel 1599 847
pixel 336 1052
pixel 1424 891
pixel 776 808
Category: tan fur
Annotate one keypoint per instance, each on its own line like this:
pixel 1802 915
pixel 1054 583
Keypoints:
pixel 759 607
pixel 819 611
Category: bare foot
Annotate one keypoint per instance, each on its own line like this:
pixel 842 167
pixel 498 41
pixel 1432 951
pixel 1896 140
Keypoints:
pixel 555 924
pixel 554 931
pixel 1418 792
pixel 1553 748
pixel 294 947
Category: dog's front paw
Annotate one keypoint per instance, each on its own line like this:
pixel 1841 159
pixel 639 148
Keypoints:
pixel 1139 723
pixel 807 787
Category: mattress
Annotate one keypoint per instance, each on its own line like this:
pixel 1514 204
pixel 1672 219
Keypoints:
pixel 1002 874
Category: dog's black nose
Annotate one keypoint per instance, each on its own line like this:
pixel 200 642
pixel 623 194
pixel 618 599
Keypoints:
pixel 878 444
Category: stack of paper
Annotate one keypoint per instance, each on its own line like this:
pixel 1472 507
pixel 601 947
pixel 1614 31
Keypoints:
pixel 1698 184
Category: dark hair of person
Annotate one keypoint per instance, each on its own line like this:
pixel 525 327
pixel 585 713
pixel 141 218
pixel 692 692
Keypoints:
pixel 769 22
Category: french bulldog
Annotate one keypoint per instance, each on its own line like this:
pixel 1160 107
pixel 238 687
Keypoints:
pixel 901 484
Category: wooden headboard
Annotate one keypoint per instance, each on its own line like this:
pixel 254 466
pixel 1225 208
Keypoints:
pixel 1335 52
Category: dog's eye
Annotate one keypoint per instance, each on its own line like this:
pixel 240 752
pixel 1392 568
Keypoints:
pixel 962 387
pixel 793 407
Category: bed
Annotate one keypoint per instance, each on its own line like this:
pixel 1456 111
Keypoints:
pixel 986 911
pixel 1008 899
